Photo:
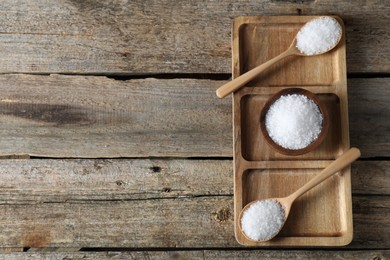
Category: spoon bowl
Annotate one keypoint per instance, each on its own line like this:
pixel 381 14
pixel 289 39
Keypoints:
pixel 286 202
pixel 314 34
pixel 240 81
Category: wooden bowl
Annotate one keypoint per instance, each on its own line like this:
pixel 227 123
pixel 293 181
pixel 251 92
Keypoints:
pixel 312 145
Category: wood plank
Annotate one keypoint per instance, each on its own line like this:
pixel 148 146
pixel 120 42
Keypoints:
pixel 185 222
pixel 208 254
pixel 369 114
pixel 148 203
pixel 101 117
pixel 64 36
pixel 199 222
pixel 367 211
pixel 371 177
pixel 67 116
pixel 296 254
pixel 48 181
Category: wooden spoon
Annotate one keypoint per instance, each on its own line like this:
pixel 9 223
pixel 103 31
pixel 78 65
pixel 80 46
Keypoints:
pixel 286 202
pixel 240 81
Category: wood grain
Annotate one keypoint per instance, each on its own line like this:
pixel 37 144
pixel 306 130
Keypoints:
pixel 101 117
pixel 367 105
pixel 298 254
pixel 198 222
pixel 188 203
pixel 182 222
pixel 208 254
pixel 76 36
pixel 371 177
pixel 10 250
pixel 75 116
pixel 48 181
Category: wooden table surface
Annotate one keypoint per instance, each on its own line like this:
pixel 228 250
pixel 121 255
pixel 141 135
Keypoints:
pixel 115 146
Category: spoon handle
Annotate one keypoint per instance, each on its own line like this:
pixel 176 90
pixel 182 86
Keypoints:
pixel 240 81
pixel 344 160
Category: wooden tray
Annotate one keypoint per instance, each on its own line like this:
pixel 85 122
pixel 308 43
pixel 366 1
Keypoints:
pixel 323 216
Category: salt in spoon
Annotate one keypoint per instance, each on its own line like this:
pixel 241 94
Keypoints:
pixel 240 81
pixel 284 204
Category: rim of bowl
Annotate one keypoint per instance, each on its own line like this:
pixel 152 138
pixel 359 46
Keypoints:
pixel 312 145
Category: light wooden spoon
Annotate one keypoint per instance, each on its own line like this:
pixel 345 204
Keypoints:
pixel 240 81
pixel 286 202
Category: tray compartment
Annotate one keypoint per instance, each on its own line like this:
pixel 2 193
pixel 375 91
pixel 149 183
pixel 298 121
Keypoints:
pixel 320 205
pixel 255 148
pixel 260 42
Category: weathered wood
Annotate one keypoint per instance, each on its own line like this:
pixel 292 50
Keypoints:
pixel 77 36
pixel 76 116
pixel 296 254
pixel 198 222
pixel 12 156
pixel 148 203
pixel 369 114
pixel 8 250
pixel 371 177
pixel 207 254
pixel 39 181
pixel 367 211
pixel 44 250
pixel 183 222
pixel 66 116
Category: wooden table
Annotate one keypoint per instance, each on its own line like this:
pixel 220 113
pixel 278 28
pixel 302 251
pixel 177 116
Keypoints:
pixel 114 144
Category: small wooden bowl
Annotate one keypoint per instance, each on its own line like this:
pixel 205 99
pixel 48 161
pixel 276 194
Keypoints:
pixel 312 145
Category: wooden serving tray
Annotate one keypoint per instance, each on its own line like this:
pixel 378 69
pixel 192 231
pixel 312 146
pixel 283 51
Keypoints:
pixel 323 216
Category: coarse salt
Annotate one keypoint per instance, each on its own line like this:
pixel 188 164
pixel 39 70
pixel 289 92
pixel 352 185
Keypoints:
pixel 263 220
pixel 293 121
pixel 318 35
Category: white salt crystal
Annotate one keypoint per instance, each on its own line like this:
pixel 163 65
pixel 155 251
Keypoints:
pixel 318 35
pixel 262 220
pixel 293 121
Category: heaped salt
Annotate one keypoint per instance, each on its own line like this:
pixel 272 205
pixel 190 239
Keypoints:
pixel 293 121
pixel 318 35
pixel 263 220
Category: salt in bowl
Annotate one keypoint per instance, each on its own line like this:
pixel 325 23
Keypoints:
pixel 314 143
